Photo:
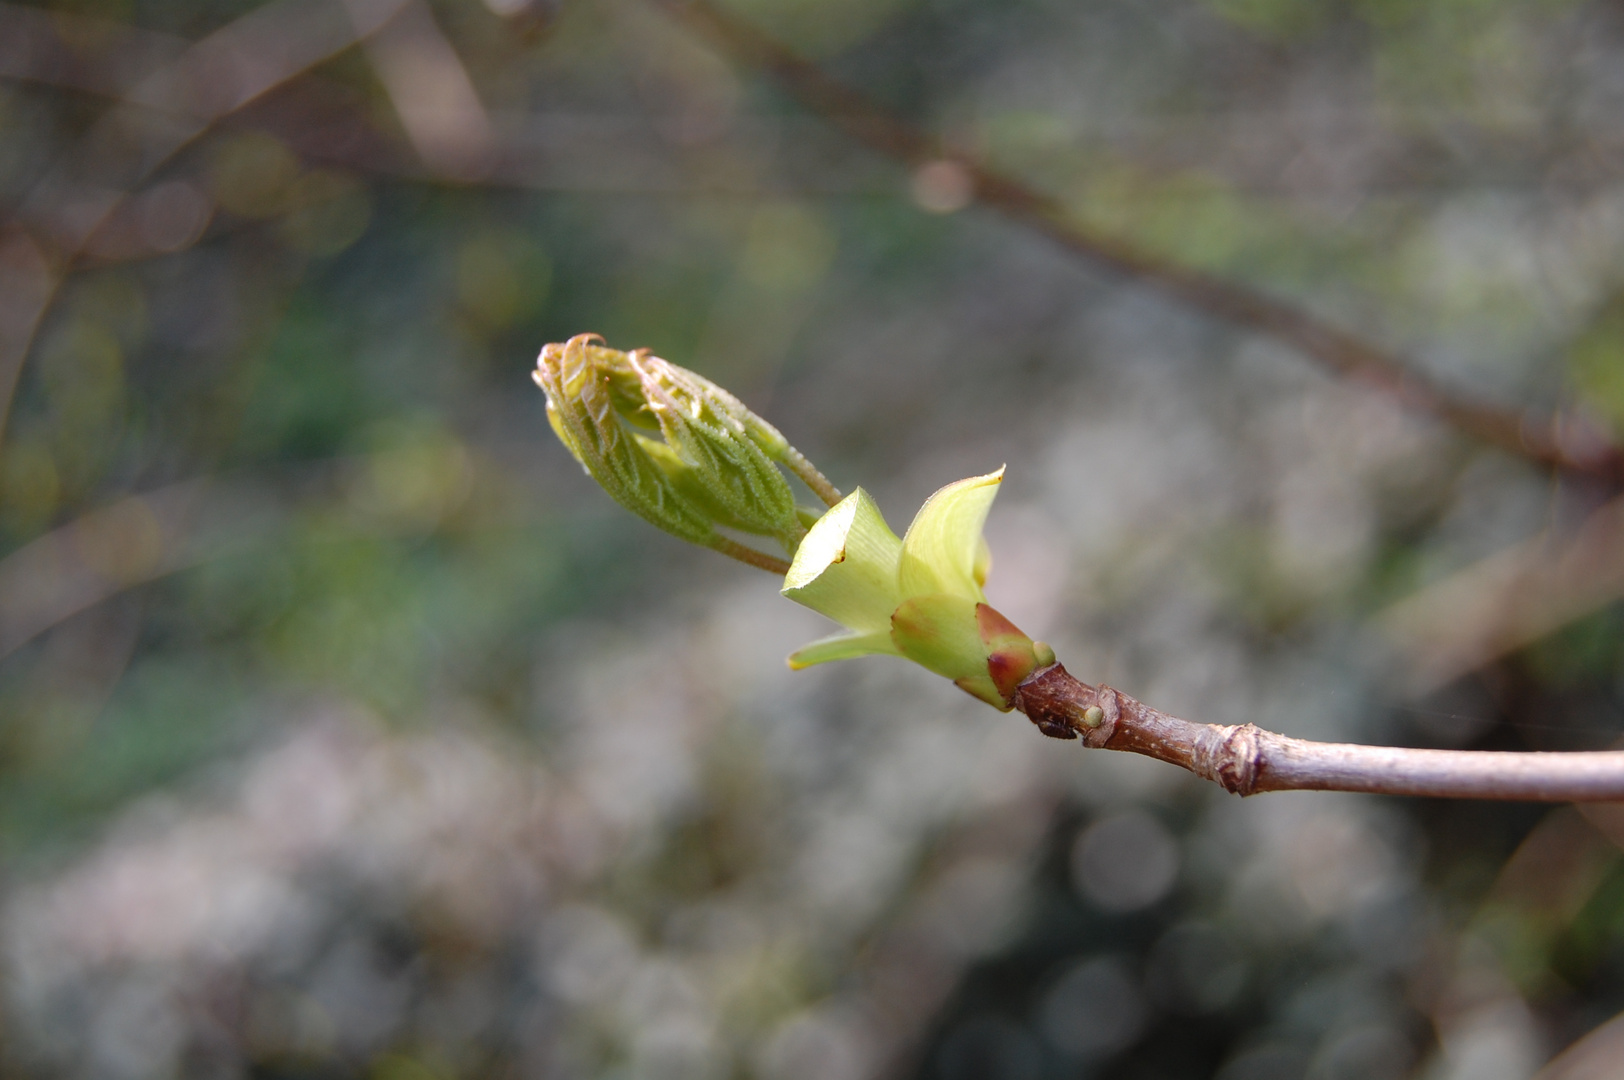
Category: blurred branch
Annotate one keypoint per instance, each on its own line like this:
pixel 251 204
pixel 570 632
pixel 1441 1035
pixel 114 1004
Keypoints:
pixel 160 114
pixel 1246 760
pixel 430 89
pixel 27 282
pixel 135 540
pixel 34 47
pixel 1539 441
pixel 81 564
pixel 1507 601
pixel 321 119
pixel 1595 1056
pixel 332 123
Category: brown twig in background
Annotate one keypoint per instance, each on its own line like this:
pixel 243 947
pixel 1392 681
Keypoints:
pixel 164 111
pixel 1344 353
pixel 1246 759
pixel 34 47
pixel 1506 601
pixel 81 564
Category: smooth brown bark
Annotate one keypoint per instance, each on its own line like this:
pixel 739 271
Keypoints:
pixel 1245 759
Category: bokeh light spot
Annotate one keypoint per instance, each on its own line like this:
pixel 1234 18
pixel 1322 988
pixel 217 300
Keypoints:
pixel 327 212
pixel 788 248
pixel 1095 1009
pixel 942 187
pixel 251 174
pixel 1125 862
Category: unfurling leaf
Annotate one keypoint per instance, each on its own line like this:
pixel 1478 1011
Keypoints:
pixel 687 456
pixel 675 448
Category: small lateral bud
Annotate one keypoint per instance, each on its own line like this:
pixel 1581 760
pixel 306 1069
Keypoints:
pixel 1093 716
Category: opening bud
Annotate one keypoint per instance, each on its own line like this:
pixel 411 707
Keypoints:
pixel 919 596
pixel 676 449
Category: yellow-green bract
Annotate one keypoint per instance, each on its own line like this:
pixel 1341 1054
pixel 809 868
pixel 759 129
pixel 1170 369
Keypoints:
pixel 919 596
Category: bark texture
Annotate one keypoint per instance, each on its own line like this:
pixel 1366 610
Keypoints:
pixel 1245 759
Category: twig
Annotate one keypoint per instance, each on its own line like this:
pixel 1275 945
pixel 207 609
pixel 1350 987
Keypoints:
pixel 1342 352
pixel 1245 759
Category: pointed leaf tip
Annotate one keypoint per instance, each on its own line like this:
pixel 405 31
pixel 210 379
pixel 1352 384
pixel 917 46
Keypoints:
pixel 942 551
pixel 841 647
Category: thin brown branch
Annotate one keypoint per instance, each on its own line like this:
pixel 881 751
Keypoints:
pixel 1245 759
pixel 1343 353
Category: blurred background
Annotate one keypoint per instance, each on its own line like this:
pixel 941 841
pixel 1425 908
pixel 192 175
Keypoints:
pixel 348 730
